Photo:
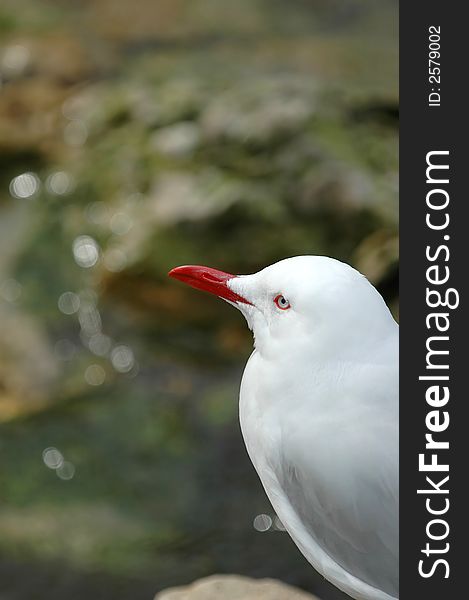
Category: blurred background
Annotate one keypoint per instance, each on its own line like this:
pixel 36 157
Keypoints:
pixel 136 136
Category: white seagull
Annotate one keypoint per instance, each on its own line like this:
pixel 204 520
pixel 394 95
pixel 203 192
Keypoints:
pixel 319 412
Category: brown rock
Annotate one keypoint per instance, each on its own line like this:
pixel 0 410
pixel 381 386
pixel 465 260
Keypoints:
pixel 235 587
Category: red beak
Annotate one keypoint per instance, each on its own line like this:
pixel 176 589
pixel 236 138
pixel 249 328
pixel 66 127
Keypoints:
pixel 210 280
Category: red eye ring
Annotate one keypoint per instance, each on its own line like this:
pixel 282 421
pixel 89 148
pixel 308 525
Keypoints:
pixel 281 302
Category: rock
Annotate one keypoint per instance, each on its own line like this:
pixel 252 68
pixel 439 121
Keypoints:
pixel 259 113
pixel 178 140
pixel 178 196
pixel 336 187
pixel 30 118
pixel 176 100
pixel 235 587
pixel 53 56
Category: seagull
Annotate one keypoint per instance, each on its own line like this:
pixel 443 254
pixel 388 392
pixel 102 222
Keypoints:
pixel 319 411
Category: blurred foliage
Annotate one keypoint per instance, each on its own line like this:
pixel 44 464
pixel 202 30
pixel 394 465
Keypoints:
pixel 135 137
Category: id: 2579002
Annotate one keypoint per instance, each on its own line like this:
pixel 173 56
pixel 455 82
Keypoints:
pixel 434 65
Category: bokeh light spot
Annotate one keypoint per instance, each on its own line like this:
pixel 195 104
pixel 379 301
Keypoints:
pixel 25 185
pixel 59 183
pixel 122 358
pixel 262 522
pixel 95 375
pixel 68 303
pixel 120 223
pixel 97 213
pixel 99 344
pixel 66 471
pixel 90 320
pixel 115 260
pixel 52 458
pixel 85 251
pixel 278 525
pixel 10 290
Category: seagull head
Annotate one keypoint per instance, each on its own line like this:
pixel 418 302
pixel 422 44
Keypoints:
pixel 309 304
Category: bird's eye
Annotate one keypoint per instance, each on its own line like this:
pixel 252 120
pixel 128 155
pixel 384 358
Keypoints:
pixel 281 302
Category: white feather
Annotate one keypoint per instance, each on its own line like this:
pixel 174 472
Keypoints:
pixel 319 416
